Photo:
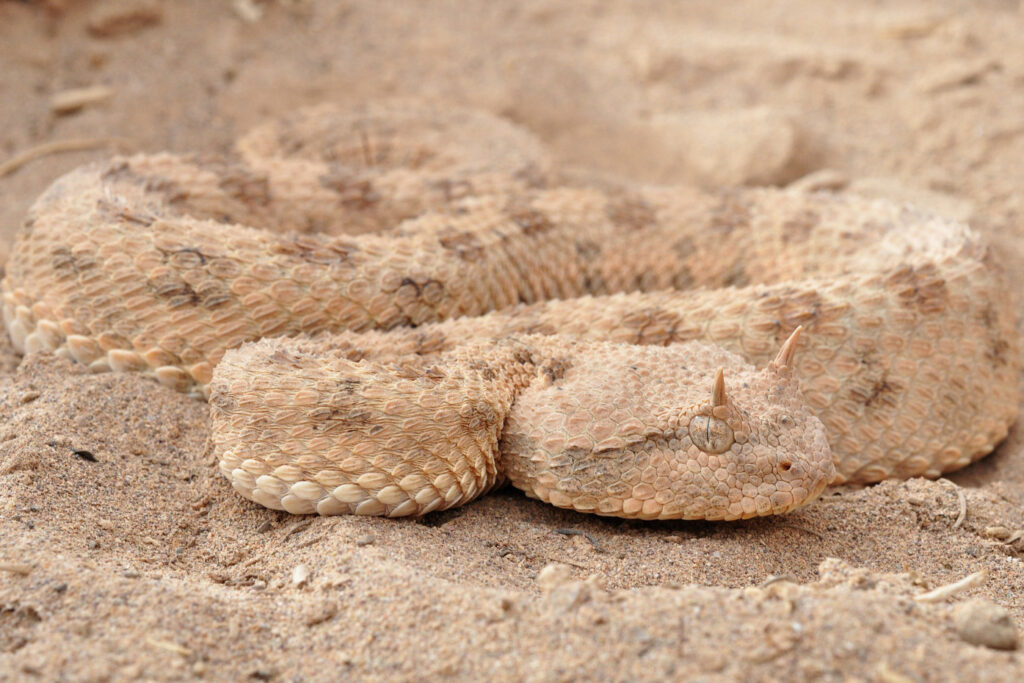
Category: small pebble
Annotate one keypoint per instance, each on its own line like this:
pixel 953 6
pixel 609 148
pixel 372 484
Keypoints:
pixel 553 575
pixel 998 532
pixel 16 568
pixel 247 11
pixel 957 74
pixel 368 539
pixel 300 576
pixel 568 596
pixel 69 101
pixel 980 622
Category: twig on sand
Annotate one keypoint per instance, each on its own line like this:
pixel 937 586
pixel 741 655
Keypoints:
pixel 963 508
pixel 55 147
pixel 962 499
pixel 779 578
pixel 169 646
pixel 950 589
pixel 67 101
pixel 298 527
pixel 585 534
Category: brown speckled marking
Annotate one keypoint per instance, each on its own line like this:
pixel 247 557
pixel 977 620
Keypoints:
pixel 731 213
pixel 920 288
pixel 631 212
pixel 736 276
pixel 467 245
pixel 881 391
pixel 353 191
pixel 528 219
pixel 453 190
pixel 243 183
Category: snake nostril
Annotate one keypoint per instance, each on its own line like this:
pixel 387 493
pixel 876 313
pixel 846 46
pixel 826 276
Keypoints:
pixel 785 466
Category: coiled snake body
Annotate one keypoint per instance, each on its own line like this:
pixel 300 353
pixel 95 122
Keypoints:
pixel 364 249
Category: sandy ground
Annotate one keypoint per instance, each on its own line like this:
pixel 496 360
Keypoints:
pixel 124 555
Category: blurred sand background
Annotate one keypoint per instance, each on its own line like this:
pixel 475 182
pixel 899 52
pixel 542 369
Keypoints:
pixel 141 563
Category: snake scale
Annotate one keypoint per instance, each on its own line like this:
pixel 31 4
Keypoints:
pixel 394 307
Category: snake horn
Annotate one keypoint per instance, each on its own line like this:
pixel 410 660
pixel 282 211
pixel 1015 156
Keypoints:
pixel 718 389
pixel 788 350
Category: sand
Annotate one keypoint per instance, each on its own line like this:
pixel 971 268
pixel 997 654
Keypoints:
pixel 124 555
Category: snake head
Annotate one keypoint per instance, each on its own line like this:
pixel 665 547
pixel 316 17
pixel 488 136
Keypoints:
pixel 761 440
pixel 688 431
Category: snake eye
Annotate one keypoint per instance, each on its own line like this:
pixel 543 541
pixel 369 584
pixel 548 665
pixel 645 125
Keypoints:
pixel 710 434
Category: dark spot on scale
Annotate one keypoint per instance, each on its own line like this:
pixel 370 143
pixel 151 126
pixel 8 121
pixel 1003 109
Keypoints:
pixel 630 212
pixel 736 276
pixel 683 278
pixel 178 293
pixel 454 189
pixel 879 391
pixel 684 247
pixel 919 289
pixel 188 250
pixel 731 213
pixel 556 368
pixel 529 220
pixel 522 357
pixel 997 352
pixel 64 260
pixel 410 282
pixel 587 250
pixel 353 192
pixel 532 176
pixel 313 249
pixel 465 244
pixel 242 183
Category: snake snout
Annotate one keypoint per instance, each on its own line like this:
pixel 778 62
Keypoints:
pixel 798 482
pixel 802 465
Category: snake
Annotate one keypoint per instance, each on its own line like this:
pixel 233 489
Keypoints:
pixel 394 307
